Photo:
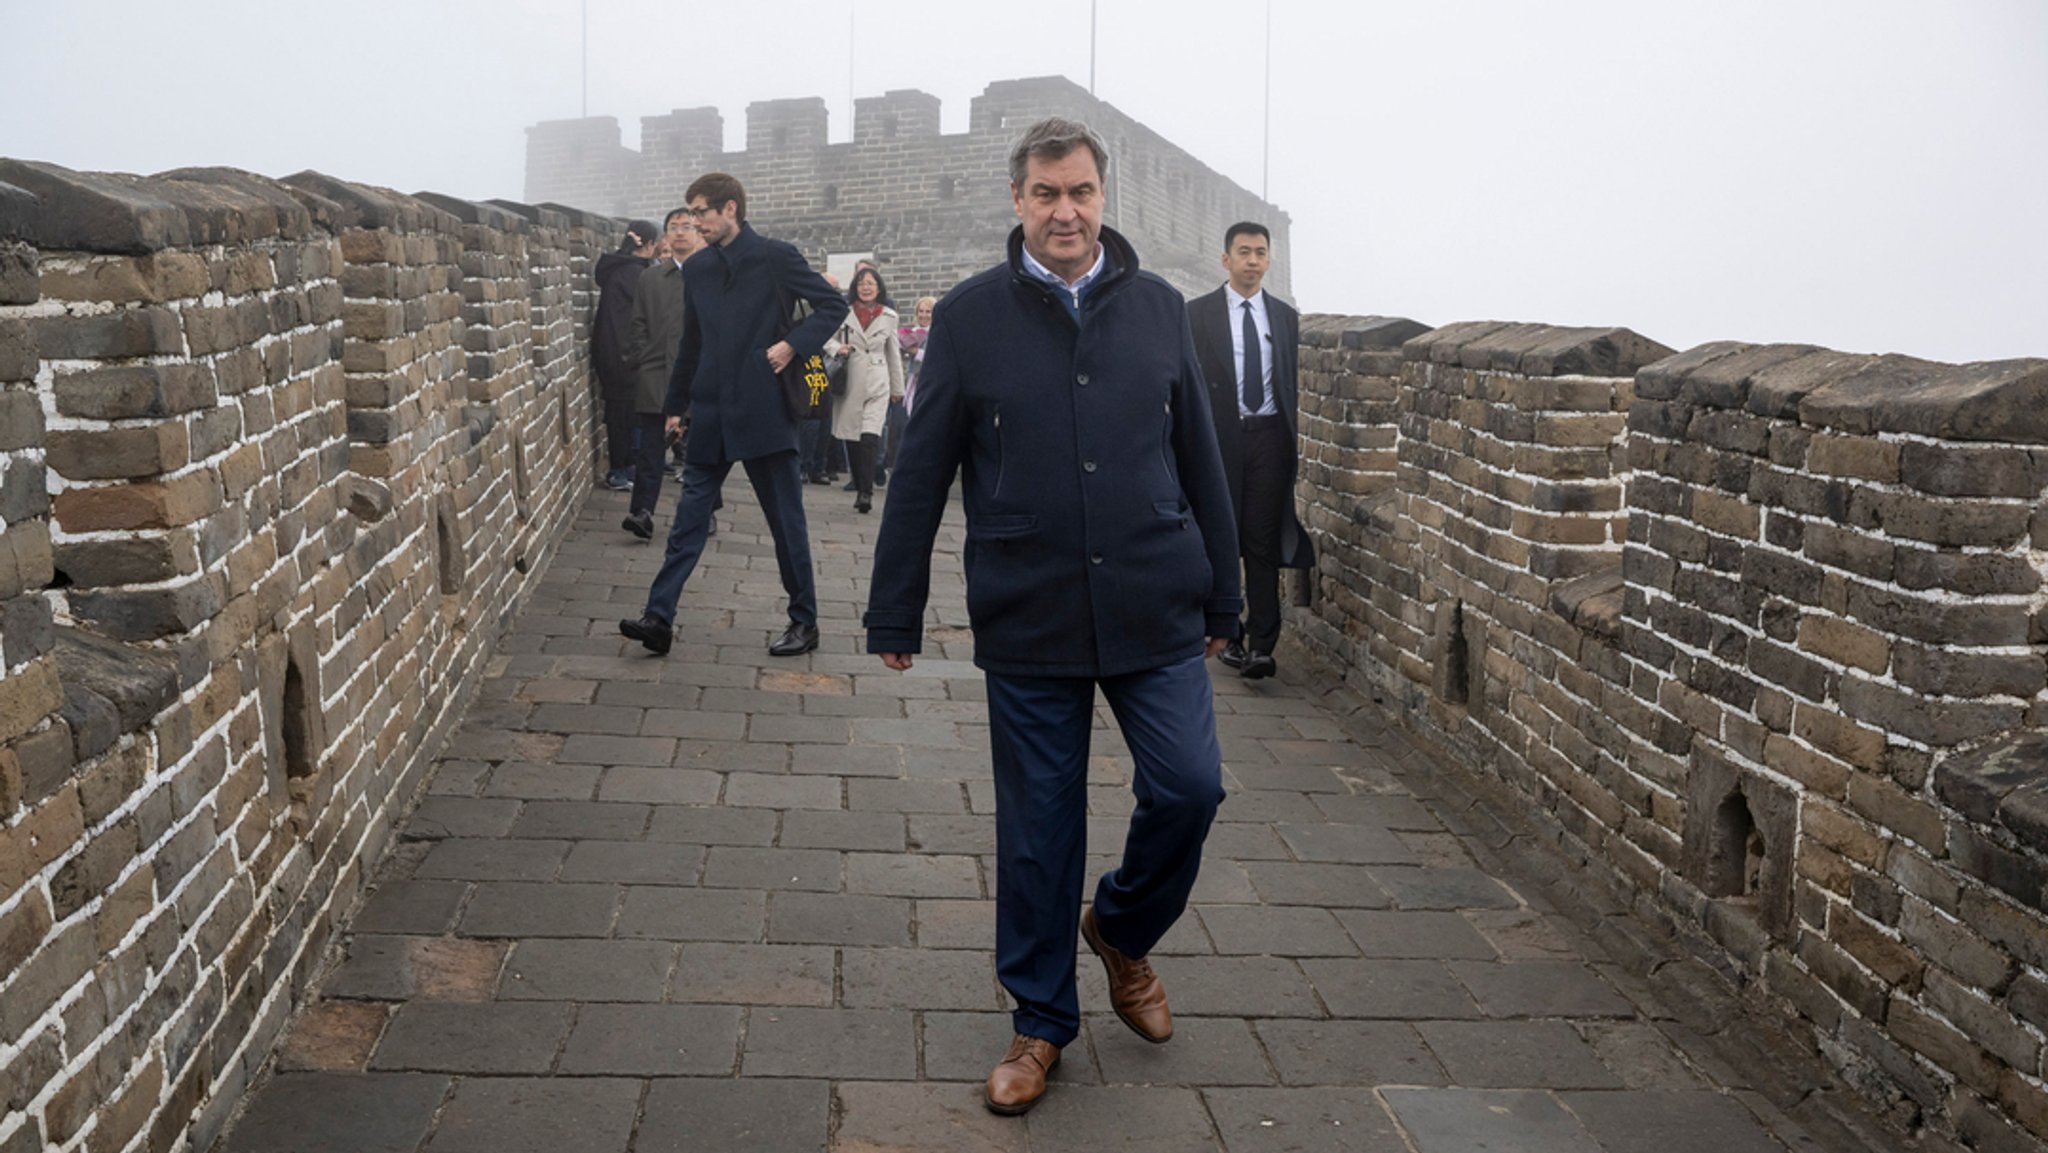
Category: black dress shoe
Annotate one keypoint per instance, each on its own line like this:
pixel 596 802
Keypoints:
pixel 1232 654
pixel 798 640
pixel 640 524
pixel 1257 665
pixel 655 635
pixel 862 504
pixel 713 529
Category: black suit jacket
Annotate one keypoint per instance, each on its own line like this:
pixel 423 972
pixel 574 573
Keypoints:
pixel 1210 318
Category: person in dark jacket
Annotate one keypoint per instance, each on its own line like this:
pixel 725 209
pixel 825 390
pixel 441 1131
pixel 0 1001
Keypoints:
pixel 1246 338
pixel 738 295
pixel 617 275
pixel 657 332
pixel 1101 553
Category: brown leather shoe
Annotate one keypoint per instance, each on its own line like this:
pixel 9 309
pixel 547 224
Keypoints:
pixel 1134 989
pixel 1019 1078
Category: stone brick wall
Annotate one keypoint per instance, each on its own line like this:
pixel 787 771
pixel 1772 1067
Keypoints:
pixel 276 460
pixel 933 208
pixel 1757 630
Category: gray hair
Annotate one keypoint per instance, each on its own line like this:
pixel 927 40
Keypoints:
pixel 1051 139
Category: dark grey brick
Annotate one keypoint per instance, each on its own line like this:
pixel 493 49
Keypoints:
pixel 912 875
pixel 698 1115
pixel 731 867
pixel 959 979
pixel 1517 1055
pixel 839 919
pixel 339 1113
pixel 634 863
pixel 520 909
pixel 1397 989
pixel 1349 1053
pixel 439 817
pixel 766 791
pixel 654 1041
pixel 540 1115
pixel 1282 931
pixel 582 821
pixel 487 1037
pixel 492 860
pixel 693 914
pixel 1665 1121
pixel 744 974
pixel 418 907
pixel 1540 989
pixel 1443 888
pixel 1222 986
pixel 712 826
pixel 1302 1121
pixel 927 1117
pixel 870 1044
pixel 871 832
pixel 663 786
pixel 1346 844
pixel 1462 1120
pixel 1395 934
pixel 1329 886
pixel 587 971
pixel 1204 1051
pixel 1134 1120
pixel 543 782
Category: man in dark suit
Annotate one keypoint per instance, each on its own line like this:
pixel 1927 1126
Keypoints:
pixel 1246 339
pixel 657 334
pixel 1100 555
pixel 737 296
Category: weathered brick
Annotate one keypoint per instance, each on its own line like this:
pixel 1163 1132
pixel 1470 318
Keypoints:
pixel 155 278
pixel 118 453
pixel 20 275
pixel 135 391
pixel 21 420
pixel 1858 457
pixel 27 695
pixel 19 359
pixel 117 335
pixel 95 869
pixel 163 504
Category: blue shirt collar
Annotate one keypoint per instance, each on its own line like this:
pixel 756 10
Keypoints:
pixel 1041 272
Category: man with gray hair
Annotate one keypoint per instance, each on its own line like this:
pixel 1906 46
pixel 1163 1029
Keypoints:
pixel 1101 555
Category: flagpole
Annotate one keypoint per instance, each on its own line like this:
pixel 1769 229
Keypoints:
pixel 1266 129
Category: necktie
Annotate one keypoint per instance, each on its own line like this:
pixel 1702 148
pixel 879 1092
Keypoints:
pixel 1254 386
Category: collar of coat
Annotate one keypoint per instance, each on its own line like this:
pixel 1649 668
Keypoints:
pixel 1120 260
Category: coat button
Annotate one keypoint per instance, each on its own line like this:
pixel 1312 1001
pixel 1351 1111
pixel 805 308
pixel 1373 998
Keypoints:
pixel 1087 466
pixel 1081 378
pixel 1095 559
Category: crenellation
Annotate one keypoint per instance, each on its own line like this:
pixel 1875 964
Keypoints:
pixel 932 208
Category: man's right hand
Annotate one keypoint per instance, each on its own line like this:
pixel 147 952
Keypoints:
pixel 898 661
pixel 676 427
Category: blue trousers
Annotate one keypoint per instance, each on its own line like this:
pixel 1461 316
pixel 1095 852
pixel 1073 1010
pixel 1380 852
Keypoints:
pixel 779 484
pixel 1038 730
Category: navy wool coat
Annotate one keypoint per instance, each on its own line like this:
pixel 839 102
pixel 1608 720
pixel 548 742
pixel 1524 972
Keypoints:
pixel 734 299
pixel 1100 537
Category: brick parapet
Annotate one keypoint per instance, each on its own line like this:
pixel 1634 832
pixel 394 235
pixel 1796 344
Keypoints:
pixel 1760 694
pixel 258 536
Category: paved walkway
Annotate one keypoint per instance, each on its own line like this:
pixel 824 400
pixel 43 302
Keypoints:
pixel 724 902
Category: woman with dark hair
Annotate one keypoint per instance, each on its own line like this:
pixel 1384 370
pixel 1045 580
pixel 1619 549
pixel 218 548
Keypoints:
pixel 874 377
pixel 617 276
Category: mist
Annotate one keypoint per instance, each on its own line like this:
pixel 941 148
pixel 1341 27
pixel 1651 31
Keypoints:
pixel 1866 176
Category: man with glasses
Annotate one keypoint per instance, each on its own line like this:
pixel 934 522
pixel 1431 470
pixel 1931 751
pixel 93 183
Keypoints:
pixel 737 298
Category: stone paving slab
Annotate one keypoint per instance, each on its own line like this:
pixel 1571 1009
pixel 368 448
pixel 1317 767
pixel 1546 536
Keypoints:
pixel 724 902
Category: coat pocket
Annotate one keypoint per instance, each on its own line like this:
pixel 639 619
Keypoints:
pixel 1002 526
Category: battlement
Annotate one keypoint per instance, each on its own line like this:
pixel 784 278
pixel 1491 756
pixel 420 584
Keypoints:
pixel 931 208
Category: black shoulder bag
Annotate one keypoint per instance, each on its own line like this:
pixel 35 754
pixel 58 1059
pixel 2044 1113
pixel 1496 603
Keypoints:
pixel 803 379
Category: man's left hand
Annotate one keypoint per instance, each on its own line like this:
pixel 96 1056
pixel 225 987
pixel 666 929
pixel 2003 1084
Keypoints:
pixel 779 355
pixel 1216 645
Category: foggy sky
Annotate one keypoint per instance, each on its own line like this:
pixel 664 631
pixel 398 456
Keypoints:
pixel 1864 174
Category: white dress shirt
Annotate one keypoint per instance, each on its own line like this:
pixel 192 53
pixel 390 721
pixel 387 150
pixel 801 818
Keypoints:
pixel 1258 303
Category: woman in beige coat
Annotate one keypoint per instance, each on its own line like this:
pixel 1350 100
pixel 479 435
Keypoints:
pixel 874 377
